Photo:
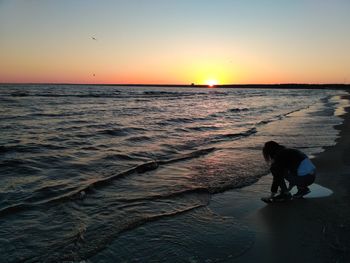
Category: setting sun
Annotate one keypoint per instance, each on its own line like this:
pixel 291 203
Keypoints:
pixel 212 82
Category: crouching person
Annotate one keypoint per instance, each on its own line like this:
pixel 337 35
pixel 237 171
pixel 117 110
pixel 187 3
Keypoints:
pixel 291 165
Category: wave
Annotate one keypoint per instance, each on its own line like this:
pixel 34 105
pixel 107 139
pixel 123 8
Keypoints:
pixel 40 197
pixel 279 117
pixel 32 116
pixel 135 139
pixel 135 224
pixel 180 120
pixel 238 109
pixel 230 111
pixel 204 128
pixel 51 95
pixel 20 94
pixel 53 115
pixel 216 92
pixel 192 155
pixel 12 209
pixel 7 100
pixel 210 139
pixel 110 94
pixel 169 93
pixel 231 136
pixel 70 249
pixel 114 157
pixel 121 131
pixel 118 132
pixel 30 148
pixel 228 136
pixel 6 149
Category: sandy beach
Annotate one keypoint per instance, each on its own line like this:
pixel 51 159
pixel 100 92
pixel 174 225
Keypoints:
pixel 307 230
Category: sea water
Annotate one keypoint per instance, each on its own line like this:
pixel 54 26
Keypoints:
pixel 125 174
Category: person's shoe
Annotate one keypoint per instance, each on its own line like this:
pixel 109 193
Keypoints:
pixel 267 199
pixel 301 192
pixel 282 197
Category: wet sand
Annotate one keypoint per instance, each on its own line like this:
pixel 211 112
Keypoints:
pixel 307 230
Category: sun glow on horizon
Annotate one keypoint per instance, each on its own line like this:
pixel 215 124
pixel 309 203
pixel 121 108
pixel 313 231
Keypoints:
pixel 212 82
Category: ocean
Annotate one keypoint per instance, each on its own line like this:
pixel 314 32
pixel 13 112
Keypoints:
pixel 125 174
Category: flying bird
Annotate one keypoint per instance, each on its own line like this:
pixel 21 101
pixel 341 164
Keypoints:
pixel 93 38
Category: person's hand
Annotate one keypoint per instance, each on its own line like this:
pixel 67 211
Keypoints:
pixel 268 198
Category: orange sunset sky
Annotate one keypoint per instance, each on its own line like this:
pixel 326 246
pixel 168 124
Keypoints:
pixel 175 42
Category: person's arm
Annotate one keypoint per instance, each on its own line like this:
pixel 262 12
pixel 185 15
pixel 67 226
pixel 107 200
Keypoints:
pixel 274 186
pixel 277 173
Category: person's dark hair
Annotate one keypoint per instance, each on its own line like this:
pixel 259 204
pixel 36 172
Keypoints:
pixel 270 149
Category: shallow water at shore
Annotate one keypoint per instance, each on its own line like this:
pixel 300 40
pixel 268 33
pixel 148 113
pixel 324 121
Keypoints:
pixel 87 171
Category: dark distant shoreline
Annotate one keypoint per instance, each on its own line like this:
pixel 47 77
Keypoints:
pixel 237 86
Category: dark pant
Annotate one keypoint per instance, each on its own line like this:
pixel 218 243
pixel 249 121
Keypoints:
pixel 300 181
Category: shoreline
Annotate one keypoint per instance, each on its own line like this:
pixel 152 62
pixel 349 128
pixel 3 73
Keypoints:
pixel 307 230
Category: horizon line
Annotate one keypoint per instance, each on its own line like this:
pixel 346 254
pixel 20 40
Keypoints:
pixel 336 86
pixel 176 85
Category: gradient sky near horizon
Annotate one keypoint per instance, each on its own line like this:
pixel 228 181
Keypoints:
pixel 175 41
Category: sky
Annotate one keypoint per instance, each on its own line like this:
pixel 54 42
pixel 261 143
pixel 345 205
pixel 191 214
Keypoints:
pixel 175 41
